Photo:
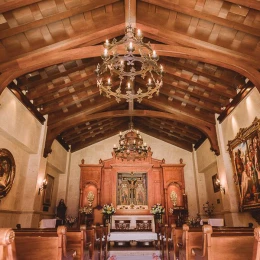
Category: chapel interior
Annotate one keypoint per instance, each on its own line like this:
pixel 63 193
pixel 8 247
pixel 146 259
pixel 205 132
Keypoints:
pixel 64 126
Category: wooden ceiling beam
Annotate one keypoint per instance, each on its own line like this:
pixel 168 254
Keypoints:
pixel 172 93
pixel 219 90
pixel 183 145
pixel 192 90
pixel 161 129
pixel 54 18
pixel 66 101
pixel 34 86
pixel 15 4
pixel 84 127
pixel 112 132
pixel 164 104
pixel 153 31
pixel 32 63
pixel 173 62
pixel 176 126
pixel 95 132
pixel 45 93
pixel 205 16
pixel 59 126
pixel 86 109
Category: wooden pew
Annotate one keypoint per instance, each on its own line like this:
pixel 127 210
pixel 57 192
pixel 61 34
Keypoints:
pixel 231 245
pixel 256 249
pixel 101 242
pixel 189 240
pixel 40 244
pixel 166 241
pixel 7 245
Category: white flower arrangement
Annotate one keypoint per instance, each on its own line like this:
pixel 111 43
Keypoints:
pixel 157 209
pixel 108 209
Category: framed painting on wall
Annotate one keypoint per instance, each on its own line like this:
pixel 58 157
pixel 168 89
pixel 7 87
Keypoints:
pixel 47 196
pixel 216 184
pixel 245 155
pixel 7 172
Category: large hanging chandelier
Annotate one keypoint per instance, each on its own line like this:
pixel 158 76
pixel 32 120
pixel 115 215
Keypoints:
pixel 131 146
pixel 116 75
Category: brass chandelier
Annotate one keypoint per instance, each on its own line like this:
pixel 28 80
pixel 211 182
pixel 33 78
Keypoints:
pixel 131 145
pixel 116 75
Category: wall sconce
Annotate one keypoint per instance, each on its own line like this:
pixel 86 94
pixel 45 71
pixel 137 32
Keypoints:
pixel 43 186
pixel 222 188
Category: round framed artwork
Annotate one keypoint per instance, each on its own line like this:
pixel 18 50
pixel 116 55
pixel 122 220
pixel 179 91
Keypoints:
pixel 7 172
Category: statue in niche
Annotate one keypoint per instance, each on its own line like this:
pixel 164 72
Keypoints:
pixel 61 210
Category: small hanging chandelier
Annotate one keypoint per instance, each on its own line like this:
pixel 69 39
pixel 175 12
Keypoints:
pixel 131 146
pixel 116 75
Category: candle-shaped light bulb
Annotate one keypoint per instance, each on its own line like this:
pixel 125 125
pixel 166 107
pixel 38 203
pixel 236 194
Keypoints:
pixel 154 54
pixel 114 145
pixel 105 52
pixel 120 133
pixel 134 141
pixel 108 81
pixel 128 85
pixel 161 68
pixel 130 45
pixel 149 81
pixel 139 34
pixel 144 144
pixel 107 42
pixel 137 132
pixel 122 62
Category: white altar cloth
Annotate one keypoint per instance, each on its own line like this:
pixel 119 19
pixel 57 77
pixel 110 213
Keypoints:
pixel 47 223
pixel 133 219
pixel 214 222
pixel 132 236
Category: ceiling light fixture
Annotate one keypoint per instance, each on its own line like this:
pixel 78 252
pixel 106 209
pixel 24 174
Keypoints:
pixel 116 75
pixel 131 146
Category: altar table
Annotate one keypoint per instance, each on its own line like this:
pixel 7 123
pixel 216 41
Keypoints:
pixel 132 236
pixel 214 222
pixel 47 223
pixel 133 219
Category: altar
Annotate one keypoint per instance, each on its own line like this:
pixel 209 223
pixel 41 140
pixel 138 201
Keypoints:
pixel 133 219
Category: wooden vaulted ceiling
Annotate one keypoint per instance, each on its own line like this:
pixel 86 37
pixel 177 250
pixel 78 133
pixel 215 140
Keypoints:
pixel 210 51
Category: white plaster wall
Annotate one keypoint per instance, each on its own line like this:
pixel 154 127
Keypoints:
pixel 58 157
pixel 242 116
pixel 24 136
pixel 103 150
pixel 18 124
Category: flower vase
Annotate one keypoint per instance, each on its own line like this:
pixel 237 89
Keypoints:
pixel 158 218
pixel 106 219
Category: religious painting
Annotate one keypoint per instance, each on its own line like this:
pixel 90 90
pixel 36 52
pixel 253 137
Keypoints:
pixel 131 190
pixel 216 183
pixel 245 154
pixel 47 196
pixel 7 172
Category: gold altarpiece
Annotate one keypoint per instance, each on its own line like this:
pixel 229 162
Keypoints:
pixel 133 187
